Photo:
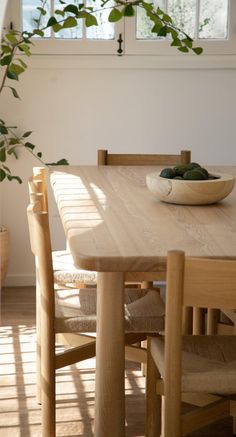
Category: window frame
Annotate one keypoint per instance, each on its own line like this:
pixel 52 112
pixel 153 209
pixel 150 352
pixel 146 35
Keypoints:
pixel 54 46
pixel 163 48
pixel 131 46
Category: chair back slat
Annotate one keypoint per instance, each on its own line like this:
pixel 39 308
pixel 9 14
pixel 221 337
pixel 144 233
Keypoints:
pixel 105 158
pixel 210 283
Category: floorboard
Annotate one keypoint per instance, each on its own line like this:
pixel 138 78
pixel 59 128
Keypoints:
pixel 19 411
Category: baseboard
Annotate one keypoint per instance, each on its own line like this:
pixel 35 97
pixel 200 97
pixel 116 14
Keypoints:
pixel 19 280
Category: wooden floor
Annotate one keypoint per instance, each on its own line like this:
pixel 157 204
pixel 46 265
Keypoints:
pixel 19 412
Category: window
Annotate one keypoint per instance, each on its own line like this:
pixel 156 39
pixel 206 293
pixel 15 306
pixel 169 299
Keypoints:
pixel 101 39
pixel 212 24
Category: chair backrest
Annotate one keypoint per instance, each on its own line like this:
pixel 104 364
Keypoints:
pixel 38 186
pixel 41 247
pixel 105 158
pixel 192 282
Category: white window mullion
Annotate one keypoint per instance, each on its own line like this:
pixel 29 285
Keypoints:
pixel 197 20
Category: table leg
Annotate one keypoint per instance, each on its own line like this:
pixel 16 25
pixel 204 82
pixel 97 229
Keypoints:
pixel 109 391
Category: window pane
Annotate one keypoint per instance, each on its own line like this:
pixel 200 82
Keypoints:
pixel 74 32
pixel 104 30
pixel 144 25
pixel 183 13
pixel 29 13
pixel 213 22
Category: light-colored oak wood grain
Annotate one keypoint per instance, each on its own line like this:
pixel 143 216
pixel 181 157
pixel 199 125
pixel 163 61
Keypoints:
pixel 196 282
pixel 113 223
pixel 109 397
pixel 106 158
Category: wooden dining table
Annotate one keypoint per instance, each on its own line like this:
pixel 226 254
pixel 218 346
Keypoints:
pixel 115 226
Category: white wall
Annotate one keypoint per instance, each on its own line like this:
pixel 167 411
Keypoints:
pixel 74 111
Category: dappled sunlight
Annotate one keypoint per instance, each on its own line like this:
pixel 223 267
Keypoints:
pixel 20 415
pixel 80 204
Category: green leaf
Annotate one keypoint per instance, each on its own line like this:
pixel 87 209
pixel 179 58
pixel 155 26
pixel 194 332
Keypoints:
pixel 90 20
pixel 2 143
pixel 198 50
pixel 15 68
pixel 12 75
pixel 59 12
pixel 167 18
pixel 147 6
pixel 14 92
pixel 70 22
pixel 71 8
pixel 42 11
pixel 24 65
pixel 3 130
pixel 27 134
pixel 156 28
pixel 38 32
pixel 11 37
pixel 159 11
pixel 5 48
pixel 24 48
pixel 51 22
pixel 14 141
pixel 2 174
pixel 162 31
pixel 128 11
pixel 188 42
pixel 6 60
pixel 12 151
pixel 17 178
pixel 2 155
pixel 115 15
pixel 30 146
pixel 176 42
pixel 183 49
pixel 57 27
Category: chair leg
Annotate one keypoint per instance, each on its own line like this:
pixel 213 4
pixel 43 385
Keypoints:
pixel 212 321
pixel 153 404
pixel 234 425
pixel 198 321
pixel 48 391
pixel 38 346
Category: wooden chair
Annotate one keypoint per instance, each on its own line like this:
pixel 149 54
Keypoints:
pixel 192 364
pixel 65 273
pixel 65 313
pixel 106 158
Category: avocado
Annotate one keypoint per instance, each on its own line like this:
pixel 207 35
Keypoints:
pixel 194 175
pixel 194 165
pixel 181 169
pixel 168 173
pixel 203 170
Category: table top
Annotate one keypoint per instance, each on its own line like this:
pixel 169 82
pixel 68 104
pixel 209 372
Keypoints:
pixel 113 223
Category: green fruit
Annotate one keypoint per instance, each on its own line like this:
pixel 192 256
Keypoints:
pixel 194 175
pixel 194 165
pixel 181 169
pixel 203 170
pixel 168 173
pixel 178 177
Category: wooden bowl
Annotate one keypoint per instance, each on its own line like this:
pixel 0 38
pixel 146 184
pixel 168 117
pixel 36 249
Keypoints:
pixel 187 192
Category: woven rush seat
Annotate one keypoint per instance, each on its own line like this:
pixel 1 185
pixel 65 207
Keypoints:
pixel 208 363
pixel 76 310
pixel 66 273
